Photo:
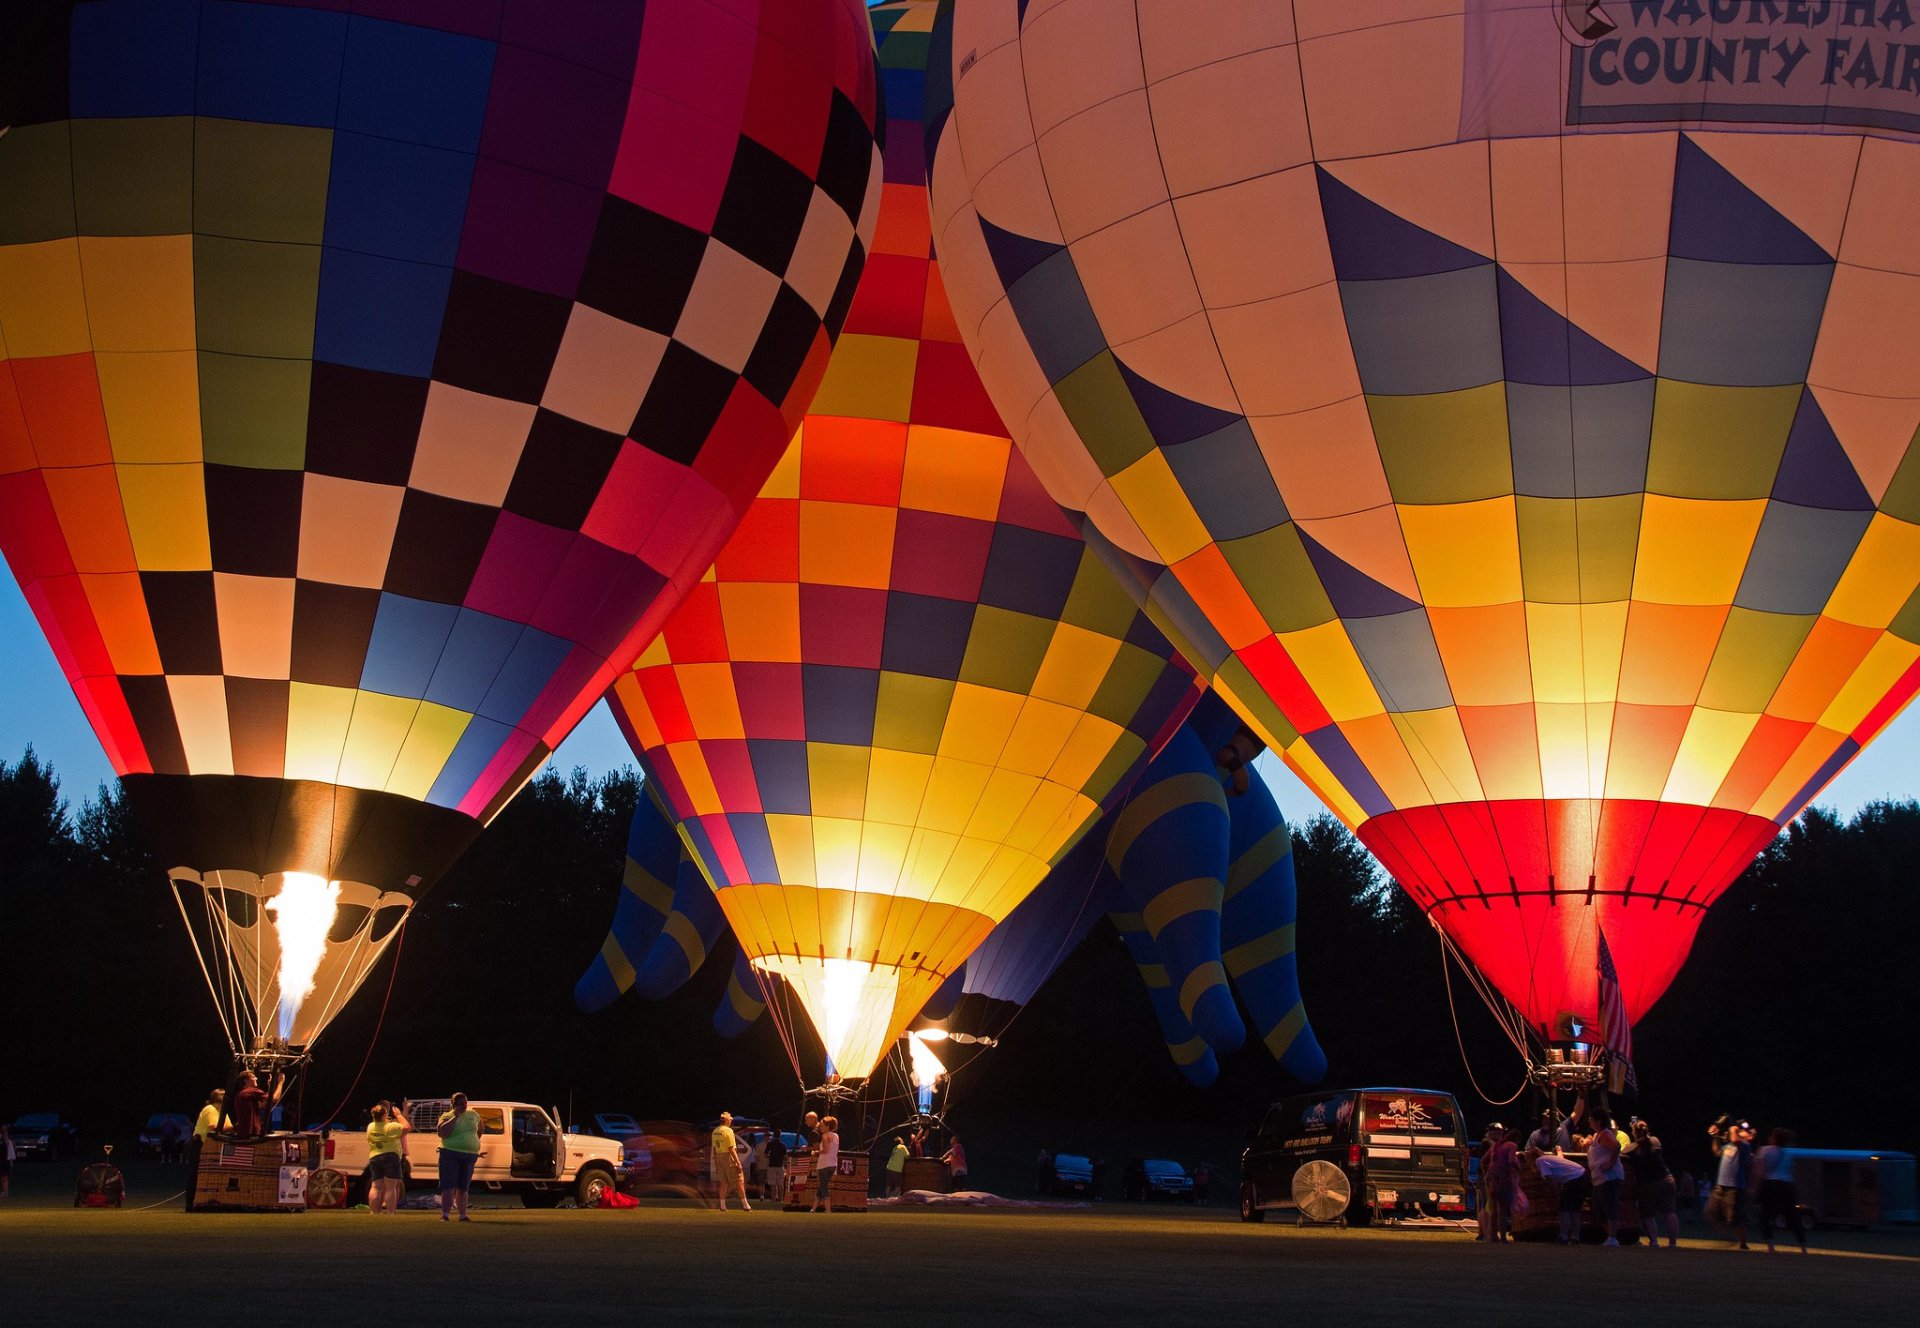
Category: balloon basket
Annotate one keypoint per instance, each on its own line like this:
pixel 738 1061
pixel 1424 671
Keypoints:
pixel 849 1186
pixel 267 1175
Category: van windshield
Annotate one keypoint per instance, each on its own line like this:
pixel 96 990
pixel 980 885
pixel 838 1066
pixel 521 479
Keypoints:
pixel 1429 1115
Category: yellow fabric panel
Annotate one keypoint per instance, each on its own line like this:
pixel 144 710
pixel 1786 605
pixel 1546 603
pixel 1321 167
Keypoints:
pixel 152 403
pixel 1004 798
pixel 654 655
pixel 792 840
pixel 1376 740
pixel 1300 757
pixel 1076 663
pixel 979 723
pixel 317 719
pixel 837 779
pixel 139 291
pixel 166 508
pixel 1813 752
pixel 1575 650
pixel 1693 551
pixel 119 606
pixel 712 706
pixel 1041 826
pixel 680 930
pixel 1884 572
pixel 1199 894
pixel 691 762
pixel 910 711
pixel 1326 658
pixel 1464 553
pixel 836 852
pixel 1574 742
pixel 1438 747
pixel 869 378
pixel 1282 1035
pixel 649 889
pixel 1509 762
pixel 256 624
pixel 1038 736
pixel 1755 651
pixel 1878 672
pixel 618 965
pixel 897 786
pixel 761 620
pixel 200 709
pixel 1717 442
pixel 1154 496
pixel 928 852
pixel 883 861
pixel 1249 955
pixel 374 735
pixel 436 729
pixel 1484 651
pixel 1158 799
pixel 1200 981
pixel 43 305
pixel 1092 739
pixel 953 793
pixel 1711 745
pixel 935 480
pixel 784 482
pixel 964 867
pixel 633 705
pixel 1257 858
pixel 846 544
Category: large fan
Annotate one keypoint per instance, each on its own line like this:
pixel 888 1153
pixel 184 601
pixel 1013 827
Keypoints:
pixel 1321 1192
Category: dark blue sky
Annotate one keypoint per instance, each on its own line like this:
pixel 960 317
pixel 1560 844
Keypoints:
pixel 37 706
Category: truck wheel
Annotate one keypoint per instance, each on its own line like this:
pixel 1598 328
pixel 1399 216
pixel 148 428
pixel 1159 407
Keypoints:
pixel 540 1198
pixel 1250 1210
pixel 593 1182
pixel 326 1188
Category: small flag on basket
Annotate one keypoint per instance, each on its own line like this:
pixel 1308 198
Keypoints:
pixel 236 1155
pixel 1616 1034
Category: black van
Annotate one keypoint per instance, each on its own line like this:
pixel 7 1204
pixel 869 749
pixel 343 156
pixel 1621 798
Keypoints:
pixel 1402 1150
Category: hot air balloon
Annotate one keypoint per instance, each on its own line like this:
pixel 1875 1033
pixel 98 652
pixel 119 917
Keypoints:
pixel 1510 415
pixel 906 685
pixel 373 385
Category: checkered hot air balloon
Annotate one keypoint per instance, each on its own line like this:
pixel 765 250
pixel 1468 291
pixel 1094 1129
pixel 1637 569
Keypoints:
pixel 1510 413
pixel 907 684
pixel 373 383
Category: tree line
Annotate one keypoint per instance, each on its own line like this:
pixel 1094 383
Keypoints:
pixel 1786 1011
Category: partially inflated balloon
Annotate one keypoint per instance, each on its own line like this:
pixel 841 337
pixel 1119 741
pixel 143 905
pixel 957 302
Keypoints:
pixel 907 684
pixel 372 385
pixel 1511 415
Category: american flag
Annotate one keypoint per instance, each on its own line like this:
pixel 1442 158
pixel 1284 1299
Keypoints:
pixel 236 1155
pixel 1616 1034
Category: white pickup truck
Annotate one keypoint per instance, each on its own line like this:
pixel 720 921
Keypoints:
pixel 523 1150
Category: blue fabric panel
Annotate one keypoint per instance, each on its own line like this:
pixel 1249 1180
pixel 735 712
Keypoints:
pixel 397 200
pixel 379 313
pixel 416 85
pixel 132 58
pixel 1719 220
pixel 409 637
pixel 1370 243
pixel 535 659
pixel 476 651
pixel 477 746
pixel 272 63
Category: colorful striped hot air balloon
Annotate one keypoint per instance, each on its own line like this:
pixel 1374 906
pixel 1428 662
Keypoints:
pixel 907 684
pixel 1511 416
pixel 372 385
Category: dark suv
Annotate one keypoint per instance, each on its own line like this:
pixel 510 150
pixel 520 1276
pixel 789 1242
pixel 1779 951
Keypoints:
pixel 1401 1150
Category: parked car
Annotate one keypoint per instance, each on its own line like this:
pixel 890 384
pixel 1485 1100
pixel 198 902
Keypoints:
pixel 522 1150
pixel 1068 1173
pixel 1399 1150
pixel 615 1125
pixel 1156 1178
pixel 45 1135
pixel 164 1135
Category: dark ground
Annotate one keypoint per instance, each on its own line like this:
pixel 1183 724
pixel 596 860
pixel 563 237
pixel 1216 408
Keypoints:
pixel 1114 1263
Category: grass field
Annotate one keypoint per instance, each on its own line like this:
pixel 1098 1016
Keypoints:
pixel 1118 1263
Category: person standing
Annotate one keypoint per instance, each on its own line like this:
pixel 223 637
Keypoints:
pixel 459 1131
pixel 253 1105
pixel 1606 1173
pixel 6 1161
pixel 826 1161
pixel 1778 1198
pixel 1734 1172
pixel 386 1140
pixel 956 1159
pixel 897 1168
pixel 1654 1186
pixel 1500 1175
pixel 777 1169
pixel 728 1176
pixel 1201 1178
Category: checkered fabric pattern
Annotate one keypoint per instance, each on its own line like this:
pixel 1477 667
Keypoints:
pixel 370 380
pixel 1549 502
pixel 907 684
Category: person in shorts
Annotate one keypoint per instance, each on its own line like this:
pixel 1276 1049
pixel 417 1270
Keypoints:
pixel 459 1131
pixel 1655 1191
pixel 386 1138
pixel 1607 1173
pixel 1733 1173
pixel 826 1161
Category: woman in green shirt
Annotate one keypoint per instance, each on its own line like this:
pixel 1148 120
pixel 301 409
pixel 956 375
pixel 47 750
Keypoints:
pixel 459 1131
pixel 386 1138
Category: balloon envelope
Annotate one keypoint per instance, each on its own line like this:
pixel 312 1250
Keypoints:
pixel 907 684
pixel 372 385
pixel 1511 416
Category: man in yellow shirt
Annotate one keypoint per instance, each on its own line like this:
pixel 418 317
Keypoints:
pixel 209 1118
pixel 727 1175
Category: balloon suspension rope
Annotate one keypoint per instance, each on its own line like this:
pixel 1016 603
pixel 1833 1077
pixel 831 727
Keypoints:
pixel 1526 1076
pixel 399 946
